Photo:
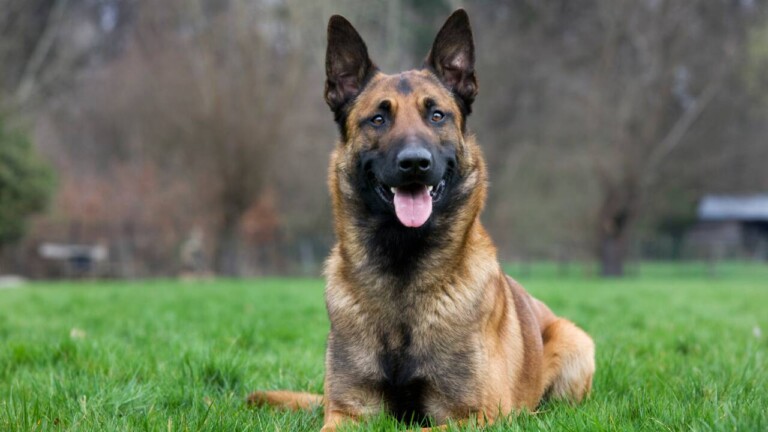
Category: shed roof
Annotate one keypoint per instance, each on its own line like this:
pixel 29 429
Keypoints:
pixel 734 207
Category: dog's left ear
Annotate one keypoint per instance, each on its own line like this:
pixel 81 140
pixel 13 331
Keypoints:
pixel 452 58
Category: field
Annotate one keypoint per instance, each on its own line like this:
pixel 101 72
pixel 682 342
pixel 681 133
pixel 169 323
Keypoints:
pixel 677 349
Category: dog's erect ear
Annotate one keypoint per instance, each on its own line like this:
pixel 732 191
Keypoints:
pixel 452 57
pixel 347 65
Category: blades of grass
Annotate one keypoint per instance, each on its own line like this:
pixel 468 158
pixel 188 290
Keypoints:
pixel 201 422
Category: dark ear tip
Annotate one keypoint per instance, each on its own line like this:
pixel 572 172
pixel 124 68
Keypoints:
pixel 460 13
pixel 459 16
pixel 338 22
pixel 457 23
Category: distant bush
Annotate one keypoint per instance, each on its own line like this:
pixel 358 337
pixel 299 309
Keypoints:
pixel 26 182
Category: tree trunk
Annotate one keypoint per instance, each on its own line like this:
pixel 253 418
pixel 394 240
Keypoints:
pixel 613 253
pixel 227 258
pixel 616 215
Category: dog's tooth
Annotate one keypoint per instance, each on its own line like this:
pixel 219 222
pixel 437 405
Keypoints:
pixel 394 190
pixel 429 188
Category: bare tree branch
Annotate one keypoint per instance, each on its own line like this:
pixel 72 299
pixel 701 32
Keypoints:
pixel 27 83
pixel 678 131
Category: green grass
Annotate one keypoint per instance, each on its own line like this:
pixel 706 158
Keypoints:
pixel 676 350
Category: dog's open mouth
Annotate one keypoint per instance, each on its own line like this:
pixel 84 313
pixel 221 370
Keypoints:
pixel 413 202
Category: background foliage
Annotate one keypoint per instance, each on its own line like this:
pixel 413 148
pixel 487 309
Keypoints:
pixel 603 121
pixel 26 183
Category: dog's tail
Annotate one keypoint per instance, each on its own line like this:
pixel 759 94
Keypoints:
pixel 295 401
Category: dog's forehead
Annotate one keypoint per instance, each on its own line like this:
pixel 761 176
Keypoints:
pixel 415 85
pixel 405 83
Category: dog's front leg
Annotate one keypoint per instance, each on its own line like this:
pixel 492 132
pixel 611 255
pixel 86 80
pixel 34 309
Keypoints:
pixel 334 418
pixel 480 420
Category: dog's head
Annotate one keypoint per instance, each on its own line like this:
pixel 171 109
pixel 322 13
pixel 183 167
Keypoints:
pixel 404 154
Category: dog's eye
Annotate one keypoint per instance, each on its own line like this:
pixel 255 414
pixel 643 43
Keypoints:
pixel 377 120
pixel 437 117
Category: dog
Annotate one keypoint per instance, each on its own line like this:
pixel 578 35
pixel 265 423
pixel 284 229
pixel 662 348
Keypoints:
pixel 424 323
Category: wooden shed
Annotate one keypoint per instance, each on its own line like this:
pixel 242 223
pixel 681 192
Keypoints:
pixel 732 225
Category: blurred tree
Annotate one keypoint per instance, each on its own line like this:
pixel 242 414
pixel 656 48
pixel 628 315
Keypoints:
pixel 44 44
pixel 223 84
pixel 660 67
pixel 610 94
pixel 163 115
pixel 24 24
pixel 26 183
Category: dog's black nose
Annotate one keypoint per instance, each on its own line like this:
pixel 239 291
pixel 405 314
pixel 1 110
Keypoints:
pixel 414 160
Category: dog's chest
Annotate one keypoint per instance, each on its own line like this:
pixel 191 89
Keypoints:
pixel 418 367
pixel 401 380
pixel 416 355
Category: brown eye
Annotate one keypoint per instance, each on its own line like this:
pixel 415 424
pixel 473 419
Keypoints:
pixel 437 117
pixel 377 120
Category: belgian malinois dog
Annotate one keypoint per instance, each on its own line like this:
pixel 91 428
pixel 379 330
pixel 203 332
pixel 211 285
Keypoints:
pixel 424 323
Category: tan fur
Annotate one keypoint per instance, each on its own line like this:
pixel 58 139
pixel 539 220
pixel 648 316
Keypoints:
pixel 286 399
pixel 512 350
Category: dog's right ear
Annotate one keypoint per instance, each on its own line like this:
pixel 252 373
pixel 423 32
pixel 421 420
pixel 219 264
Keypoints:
pixel 452 58
pixel 347 65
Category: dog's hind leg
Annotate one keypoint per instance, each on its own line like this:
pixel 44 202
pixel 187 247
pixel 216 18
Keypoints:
pixel 569 361
pixel 285 399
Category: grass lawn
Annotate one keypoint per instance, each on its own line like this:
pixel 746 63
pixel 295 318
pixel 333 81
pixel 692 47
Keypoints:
pixel 676 350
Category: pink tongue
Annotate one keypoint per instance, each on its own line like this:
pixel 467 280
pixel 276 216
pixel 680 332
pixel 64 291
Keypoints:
pixel 413 206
